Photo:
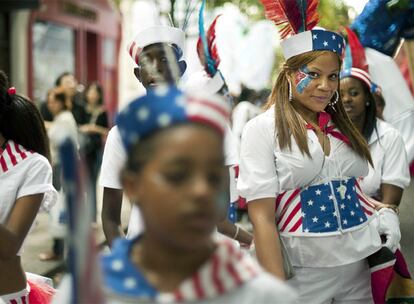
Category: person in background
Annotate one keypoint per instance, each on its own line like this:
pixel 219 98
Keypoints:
pixel 67 84
pixel 25 186
pixel 157 51
pixel 389 176
pixel 63 123
pixel 94 133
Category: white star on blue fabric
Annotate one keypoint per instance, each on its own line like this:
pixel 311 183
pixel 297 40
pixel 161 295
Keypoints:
pixel 303 214
pixel 361 219
pixel 161 91
pixel 345 222
pixel 180 101
pixel 117 265
pixel 318 192
pixel 164 120
pixel 348 197
pixel 325 43
pixel 352 213
pixel 327 224
pixel 330 197
pixel 310 202
pixel 334 214
pixel 130 283
pixel 306 230
pixel 323 208
pixel 315 36
pixel 333 37
pixel 342 206
pixel 315 219
pixel 143 114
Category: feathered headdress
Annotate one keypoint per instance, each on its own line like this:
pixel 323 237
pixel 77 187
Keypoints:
pixel 208 53
pixel 355 63
pixel 298 18
pixel 295 16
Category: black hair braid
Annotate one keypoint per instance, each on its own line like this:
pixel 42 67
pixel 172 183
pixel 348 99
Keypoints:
pixel 5 98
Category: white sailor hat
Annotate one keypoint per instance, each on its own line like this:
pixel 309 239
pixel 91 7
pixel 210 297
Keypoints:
pixel 156 34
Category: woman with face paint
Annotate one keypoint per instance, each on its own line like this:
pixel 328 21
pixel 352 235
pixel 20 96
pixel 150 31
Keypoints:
pixel 300 161
pixel 175 172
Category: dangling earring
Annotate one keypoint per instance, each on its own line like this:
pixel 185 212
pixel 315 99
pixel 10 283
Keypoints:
pixel 333 103
pixel 290 91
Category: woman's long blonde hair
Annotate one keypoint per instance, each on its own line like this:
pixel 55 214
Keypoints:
pixel 288 121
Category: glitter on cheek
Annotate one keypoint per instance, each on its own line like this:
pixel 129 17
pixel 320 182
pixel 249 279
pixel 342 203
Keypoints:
pixel 302 79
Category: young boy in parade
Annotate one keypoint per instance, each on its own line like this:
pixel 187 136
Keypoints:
pixel 151 50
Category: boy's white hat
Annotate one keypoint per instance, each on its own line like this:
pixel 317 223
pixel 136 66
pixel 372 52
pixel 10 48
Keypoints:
pixel 155 34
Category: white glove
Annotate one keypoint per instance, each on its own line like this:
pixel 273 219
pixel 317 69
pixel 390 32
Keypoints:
pixel 389 225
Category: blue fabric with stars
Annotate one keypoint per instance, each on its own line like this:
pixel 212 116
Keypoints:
pixel 232 212
pixel 123 278
pixel 381 27
pixel 321 205
pixel 327 40
pixel 158 109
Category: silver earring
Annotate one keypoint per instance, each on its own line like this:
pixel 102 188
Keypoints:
pixel 333 103
pixel 367 103
pixel 290 91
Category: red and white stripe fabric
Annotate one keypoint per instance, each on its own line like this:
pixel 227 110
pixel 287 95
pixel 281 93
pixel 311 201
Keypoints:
pixel 225 271
pixel 20 297
pixel 12 154
pixel 290 213
pixel 212 111
pixel 362 75
pixel 367 206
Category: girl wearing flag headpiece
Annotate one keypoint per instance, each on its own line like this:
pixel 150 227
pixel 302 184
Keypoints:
pixel 25 186
pixel 389 176
pixel 175 172
pixel 300 161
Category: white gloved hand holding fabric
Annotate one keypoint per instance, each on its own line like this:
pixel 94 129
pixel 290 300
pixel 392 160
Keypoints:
pixel 389 226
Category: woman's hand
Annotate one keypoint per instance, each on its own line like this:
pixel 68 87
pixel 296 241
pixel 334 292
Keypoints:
pixel 389 225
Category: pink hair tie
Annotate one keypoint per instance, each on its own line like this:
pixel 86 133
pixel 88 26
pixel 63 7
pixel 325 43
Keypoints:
pixel 11 91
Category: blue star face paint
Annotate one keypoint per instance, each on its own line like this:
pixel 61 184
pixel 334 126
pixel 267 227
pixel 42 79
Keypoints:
pixel 302 79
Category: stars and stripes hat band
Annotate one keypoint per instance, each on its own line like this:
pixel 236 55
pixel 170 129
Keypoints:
pixel 355 62
pixel 167 106
pixel 313 40
pixel 156 34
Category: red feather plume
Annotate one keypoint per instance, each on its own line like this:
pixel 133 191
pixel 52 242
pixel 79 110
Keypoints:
pixel 295 16
pixel 357 51
pixel 212 47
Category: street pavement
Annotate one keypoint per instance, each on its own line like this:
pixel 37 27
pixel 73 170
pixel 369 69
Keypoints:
pixel 39 240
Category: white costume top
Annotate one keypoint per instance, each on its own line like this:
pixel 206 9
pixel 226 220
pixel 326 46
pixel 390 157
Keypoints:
pixel 266 171
pixel 114 158
pixel 242 113
pixel 63 125
pixel 390 160
pixel 399 109
pixel 23 173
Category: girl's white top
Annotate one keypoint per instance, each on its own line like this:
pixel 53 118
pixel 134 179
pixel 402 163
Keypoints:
pixel 390 160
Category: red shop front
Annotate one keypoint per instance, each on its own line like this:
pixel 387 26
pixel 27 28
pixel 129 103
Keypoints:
pixel 81 37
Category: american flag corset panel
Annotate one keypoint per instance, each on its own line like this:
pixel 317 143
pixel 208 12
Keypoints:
pixel 325 209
